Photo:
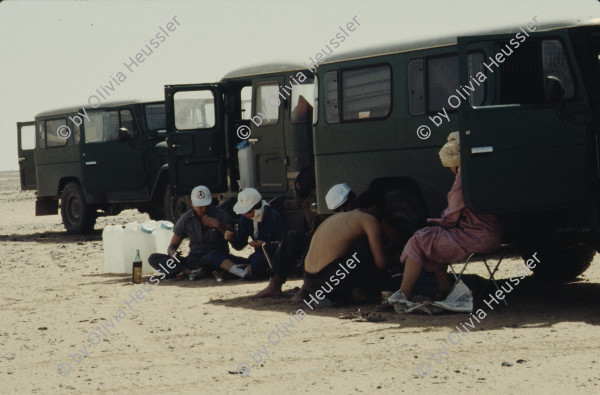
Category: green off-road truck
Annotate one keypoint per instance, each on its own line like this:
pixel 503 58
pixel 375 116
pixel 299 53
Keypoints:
pixel 96 161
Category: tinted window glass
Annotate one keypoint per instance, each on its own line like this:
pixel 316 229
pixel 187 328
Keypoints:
pixel 128 123
pixel 555 64
pixel 474 88
pixel 366 93
pixel 442 82
pixel 155 117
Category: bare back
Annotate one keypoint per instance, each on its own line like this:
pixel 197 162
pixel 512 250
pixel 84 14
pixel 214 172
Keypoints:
pixel 336 235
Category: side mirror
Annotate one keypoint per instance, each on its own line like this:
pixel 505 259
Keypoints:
pixel 554 90
pixel 124 134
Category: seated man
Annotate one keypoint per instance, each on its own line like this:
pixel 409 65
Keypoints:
pixel 205 225
pixel 260 222
pixel 347 244
pixel 291 252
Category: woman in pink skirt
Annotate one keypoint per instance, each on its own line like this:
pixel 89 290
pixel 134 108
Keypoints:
pixel 452 238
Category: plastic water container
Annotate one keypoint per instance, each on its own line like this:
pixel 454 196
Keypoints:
pixel 246 163
pixel 163 235
pixel 112 241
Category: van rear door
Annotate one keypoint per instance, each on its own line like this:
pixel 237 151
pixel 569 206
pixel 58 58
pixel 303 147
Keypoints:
pixel 26 147
pixel 268 138
pixel 196 137
pixel 525 145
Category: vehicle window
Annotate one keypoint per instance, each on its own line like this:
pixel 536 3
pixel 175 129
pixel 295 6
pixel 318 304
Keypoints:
pixel 303 101
pixel 267 103
pixel 246 98
pixel 366 93
pixel 28 137
pixel 554 63
pixel 416 87
pixel 93 127
pixel 113 127
pixel 42 134
pixel 155 117
pixel 524 74
pixel 332 113
pixel 77 133
pixel 442 81
pixel 126 121
pixel 194 110
pixel 474 88
pixel 57 133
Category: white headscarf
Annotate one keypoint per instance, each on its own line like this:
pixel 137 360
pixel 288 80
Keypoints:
pixel 450 152
pixel 258 215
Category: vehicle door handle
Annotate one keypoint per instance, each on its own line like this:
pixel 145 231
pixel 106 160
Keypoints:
pixel 482 150
pixel 91 163
pixel 21 160
pixel 175 145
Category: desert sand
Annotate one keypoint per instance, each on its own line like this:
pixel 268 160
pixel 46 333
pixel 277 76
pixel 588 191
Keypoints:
pixel 58 310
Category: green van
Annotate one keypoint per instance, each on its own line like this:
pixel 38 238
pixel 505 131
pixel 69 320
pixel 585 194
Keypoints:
pixel 96 161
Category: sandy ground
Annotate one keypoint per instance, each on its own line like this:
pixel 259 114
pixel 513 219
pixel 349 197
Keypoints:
pixel 59 310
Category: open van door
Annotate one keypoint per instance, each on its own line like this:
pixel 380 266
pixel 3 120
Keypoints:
pixel 524 128
pixel 196 137
pixel 26 142
pixel 268 136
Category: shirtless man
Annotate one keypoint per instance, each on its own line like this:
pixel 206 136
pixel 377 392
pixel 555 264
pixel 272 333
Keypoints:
pixel 347 244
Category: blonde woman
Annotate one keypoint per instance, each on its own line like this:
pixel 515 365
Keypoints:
pixel 452 237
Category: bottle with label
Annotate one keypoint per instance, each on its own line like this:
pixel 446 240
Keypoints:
pixel 137 269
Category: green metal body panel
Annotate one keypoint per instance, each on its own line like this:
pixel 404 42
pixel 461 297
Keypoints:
pixel 110 172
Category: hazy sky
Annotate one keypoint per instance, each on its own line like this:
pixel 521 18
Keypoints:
pixel 57 53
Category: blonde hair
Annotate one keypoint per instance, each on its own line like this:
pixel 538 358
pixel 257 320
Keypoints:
pixel 450 152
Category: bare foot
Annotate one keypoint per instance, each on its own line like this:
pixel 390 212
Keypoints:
pixel 300 295
pixel 271 290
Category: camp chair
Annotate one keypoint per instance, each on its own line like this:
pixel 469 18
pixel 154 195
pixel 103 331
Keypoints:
pixel 497 256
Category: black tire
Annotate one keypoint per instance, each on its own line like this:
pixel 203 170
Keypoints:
pixel 77 216
pixel 175 205
pixel 560 263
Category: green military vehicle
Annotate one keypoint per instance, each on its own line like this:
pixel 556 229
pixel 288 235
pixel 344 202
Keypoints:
pixel 269 107
pixel 526 101
pixel 96 161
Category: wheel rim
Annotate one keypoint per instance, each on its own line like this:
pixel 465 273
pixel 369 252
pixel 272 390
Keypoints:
pixel 73 209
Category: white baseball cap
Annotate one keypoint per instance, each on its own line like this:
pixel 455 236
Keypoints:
pixel 201 196
pixel 337 195
pixel 246 200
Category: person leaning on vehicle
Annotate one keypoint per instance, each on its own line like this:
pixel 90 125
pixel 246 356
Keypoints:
pixel 205 225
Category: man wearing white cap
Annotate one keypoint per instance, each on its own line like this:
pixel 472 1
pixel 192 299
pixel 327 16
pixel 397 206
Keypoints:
pixel 346 252
pixel 259 222
pixel 205 225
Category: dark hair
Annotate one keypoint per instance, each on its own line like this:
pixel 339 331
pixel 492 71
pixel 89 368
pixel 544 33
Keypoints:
pixel 349 200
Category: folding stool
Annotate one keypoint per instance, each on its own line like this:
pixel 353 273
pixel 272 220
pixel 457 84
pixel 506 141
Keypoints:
pixel 491 256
